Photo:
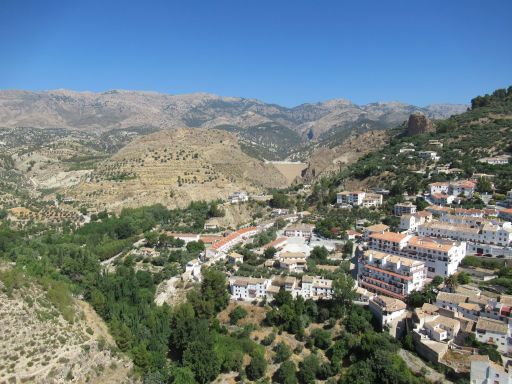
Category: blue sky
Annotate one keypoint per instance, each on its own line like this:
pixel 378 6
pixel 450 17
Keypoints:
pixel 287 52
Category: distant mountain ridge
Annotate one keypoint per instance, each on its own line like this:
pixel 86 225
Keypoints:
pixel 117 109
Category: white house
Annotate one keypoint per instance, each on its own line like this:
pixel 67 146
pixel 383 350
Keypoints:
pixel 359 198
pixel 299 230
pixel 442 328
pixel 404 209
pixel 494 332
pixel 238 197
pixel 496 160
pixel 485 371
pixel 410 223
pixel 428 155
pixel 248 288
pixel 386 309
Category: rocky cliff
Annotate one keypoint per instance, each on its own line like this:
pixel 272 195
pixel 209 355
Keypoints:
pixel 419 123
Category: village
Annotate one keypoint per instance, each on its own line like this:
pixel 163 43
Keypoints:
pixel 424 252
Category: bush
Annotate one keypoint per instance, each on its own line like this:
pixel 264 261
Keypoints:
pixel 237 314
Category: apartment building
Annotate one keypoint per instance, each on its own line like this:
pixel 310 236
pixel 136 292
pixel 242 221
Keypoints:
pixel 293 265
pixel 316 287
pixel 359 198
pixel 226 243
pixel 404 209
pixel 442 198
pixel 486 233
pixel 389 242
pixel 441 257
pixel 390 275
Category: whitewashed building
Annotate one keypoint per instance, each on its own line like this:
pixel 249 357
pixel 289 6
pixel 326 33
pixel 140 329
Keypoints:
pixel 390 275
pixel 485 371
pixel 386 309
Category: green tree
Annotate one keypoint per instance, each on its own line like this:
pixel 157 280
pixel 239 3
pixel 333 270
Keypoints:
pixel 269 253
pixel 195 247
pixel 201 358
pixel 183 375
pixel 321 338
pixel 484 186
pixel 283 352
pixel 152 238
pixel 452 282
pixel 256 368
pixel 463 278
pixel 308 369
pixel 286 374
pixel 344 290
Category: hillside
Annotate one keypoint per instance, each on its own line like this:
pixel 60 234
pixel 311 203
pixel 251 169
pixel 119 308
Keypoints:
pixel 46 336
pixel 272 131
pixel 174 167
pixel 324 160
pixel 483 131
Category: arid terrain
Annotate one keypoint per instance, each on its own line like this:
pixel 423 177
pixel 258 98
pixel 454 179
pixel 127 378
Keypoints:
pixel 47 337
pixel 174 167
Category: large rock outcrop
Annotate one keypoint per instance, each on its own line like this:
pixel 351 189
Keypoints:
pixel 419 123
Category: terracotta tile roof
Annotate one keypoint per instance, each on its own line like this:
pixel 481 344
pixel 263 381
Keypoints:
pixel 210 239
pixel 276 242
pixel 388 236
pixel 431 243
pixel 232 236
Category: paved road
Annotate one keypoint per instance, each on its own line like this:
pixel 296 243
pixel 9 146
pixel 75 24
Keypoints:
pixel 416 365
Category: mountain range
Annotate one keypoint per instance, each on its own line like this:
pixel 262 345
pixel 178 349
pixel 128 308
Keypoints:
pixel 269 130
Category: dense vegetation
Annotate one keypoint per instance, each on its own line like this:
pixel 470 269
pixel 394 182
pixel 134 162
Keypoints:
pixel 187 344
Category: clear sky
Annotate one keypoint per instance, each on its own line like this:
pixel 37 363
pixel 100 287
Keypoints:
pixel 287 52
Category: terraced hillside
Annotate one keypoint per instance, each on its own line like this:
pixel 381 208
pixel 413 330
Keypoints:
pixel 174 167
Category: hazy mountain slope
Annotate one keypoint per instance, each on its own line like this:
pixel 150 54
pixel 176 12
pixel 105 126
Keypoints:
pixel 99 112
